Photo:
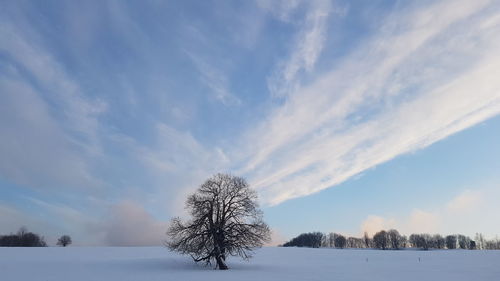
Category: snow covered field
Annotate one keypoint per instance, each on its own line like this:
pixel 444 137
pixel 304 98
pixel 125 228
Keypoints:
pixel 156 263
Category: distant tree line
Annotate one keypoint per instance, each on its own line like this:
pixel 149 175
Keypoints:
pixel 392 239
pixel 311 240
pixel 25 238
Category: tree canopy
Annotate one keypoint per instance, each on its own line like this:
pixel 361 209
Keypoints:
pixel 225 220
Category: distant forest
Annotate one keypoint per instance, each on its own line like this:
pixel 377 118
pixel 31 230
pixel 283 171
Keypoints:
pixel 393 240
pixel 23 238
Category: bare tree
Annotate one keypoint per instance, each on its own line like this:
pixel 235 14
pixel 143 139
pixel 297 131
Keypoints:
pixel 331 239
pixel 367 240
pixel 463 241
pixel 480 241
pixel 395 239
pixel 324 241
pixel 451 241
pixel 423 241
pixel 64 240
pixel 226 220
pixel 353 242
pixel 438 242
pixel 381 240
pixel 340 241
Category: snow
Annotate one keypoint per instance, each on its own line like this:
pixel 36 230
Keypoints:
pixel 157 263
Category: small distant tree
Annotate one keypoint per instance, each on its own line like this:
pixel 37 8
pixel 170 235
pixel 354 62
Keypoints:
pixel 426 241
pixel 380 240
pixel 340 241
pixel 331 239
pixel 325 243
pixel 396 240
pixel 480 241
pixel 493 244
pixel 415 241
pixel 226 220
pixel 367 240
pixel 463 241
pixel 451 242
pixel 438 242
pixel 64 241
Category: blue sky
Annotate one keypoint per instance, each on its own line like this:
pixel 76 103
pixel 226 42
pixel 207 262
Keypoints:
pixel 346 116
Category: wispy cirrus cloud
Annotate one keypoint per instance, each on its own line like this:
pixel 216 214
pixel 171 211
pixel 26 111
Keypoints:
pixel 216 80
pixel 309 43
pixel 428 73
pixel 77 113
pixel 44 134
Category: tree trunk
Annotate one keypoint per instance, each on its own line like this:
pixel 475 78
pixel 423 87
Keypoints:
pixel 220 263
pixel 220 251
pixel 220 258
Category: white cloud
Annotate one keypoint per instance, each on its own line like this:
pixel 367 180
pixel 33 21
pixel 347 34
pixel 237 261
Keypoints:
pixel 48 128
pixel 418 221
pixel 77 115
pixel 216 80
pixel 425 79
pixel 422 222
pixel 175 163
pixel 468 212
pixel 466 201
pixel 35 150
pixel 281 9
pixel 129 224
pixel 277 238
pixel 12 219
pixel 307 47
pixel 372 224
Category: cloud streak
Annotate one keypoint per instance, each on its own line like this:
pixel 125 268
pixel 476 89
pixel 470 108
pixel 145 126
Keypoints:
pixel 308 45
pixel 44 134
pixel 403 91
pixel 216 81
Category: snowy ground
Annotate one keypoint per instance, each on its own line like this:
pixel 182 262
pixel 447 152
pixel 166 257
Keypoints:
pixel 156 263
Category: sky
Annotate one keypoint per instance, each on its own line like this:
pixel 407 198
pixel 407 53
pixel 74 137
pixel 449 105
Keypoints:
pixel 345 116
